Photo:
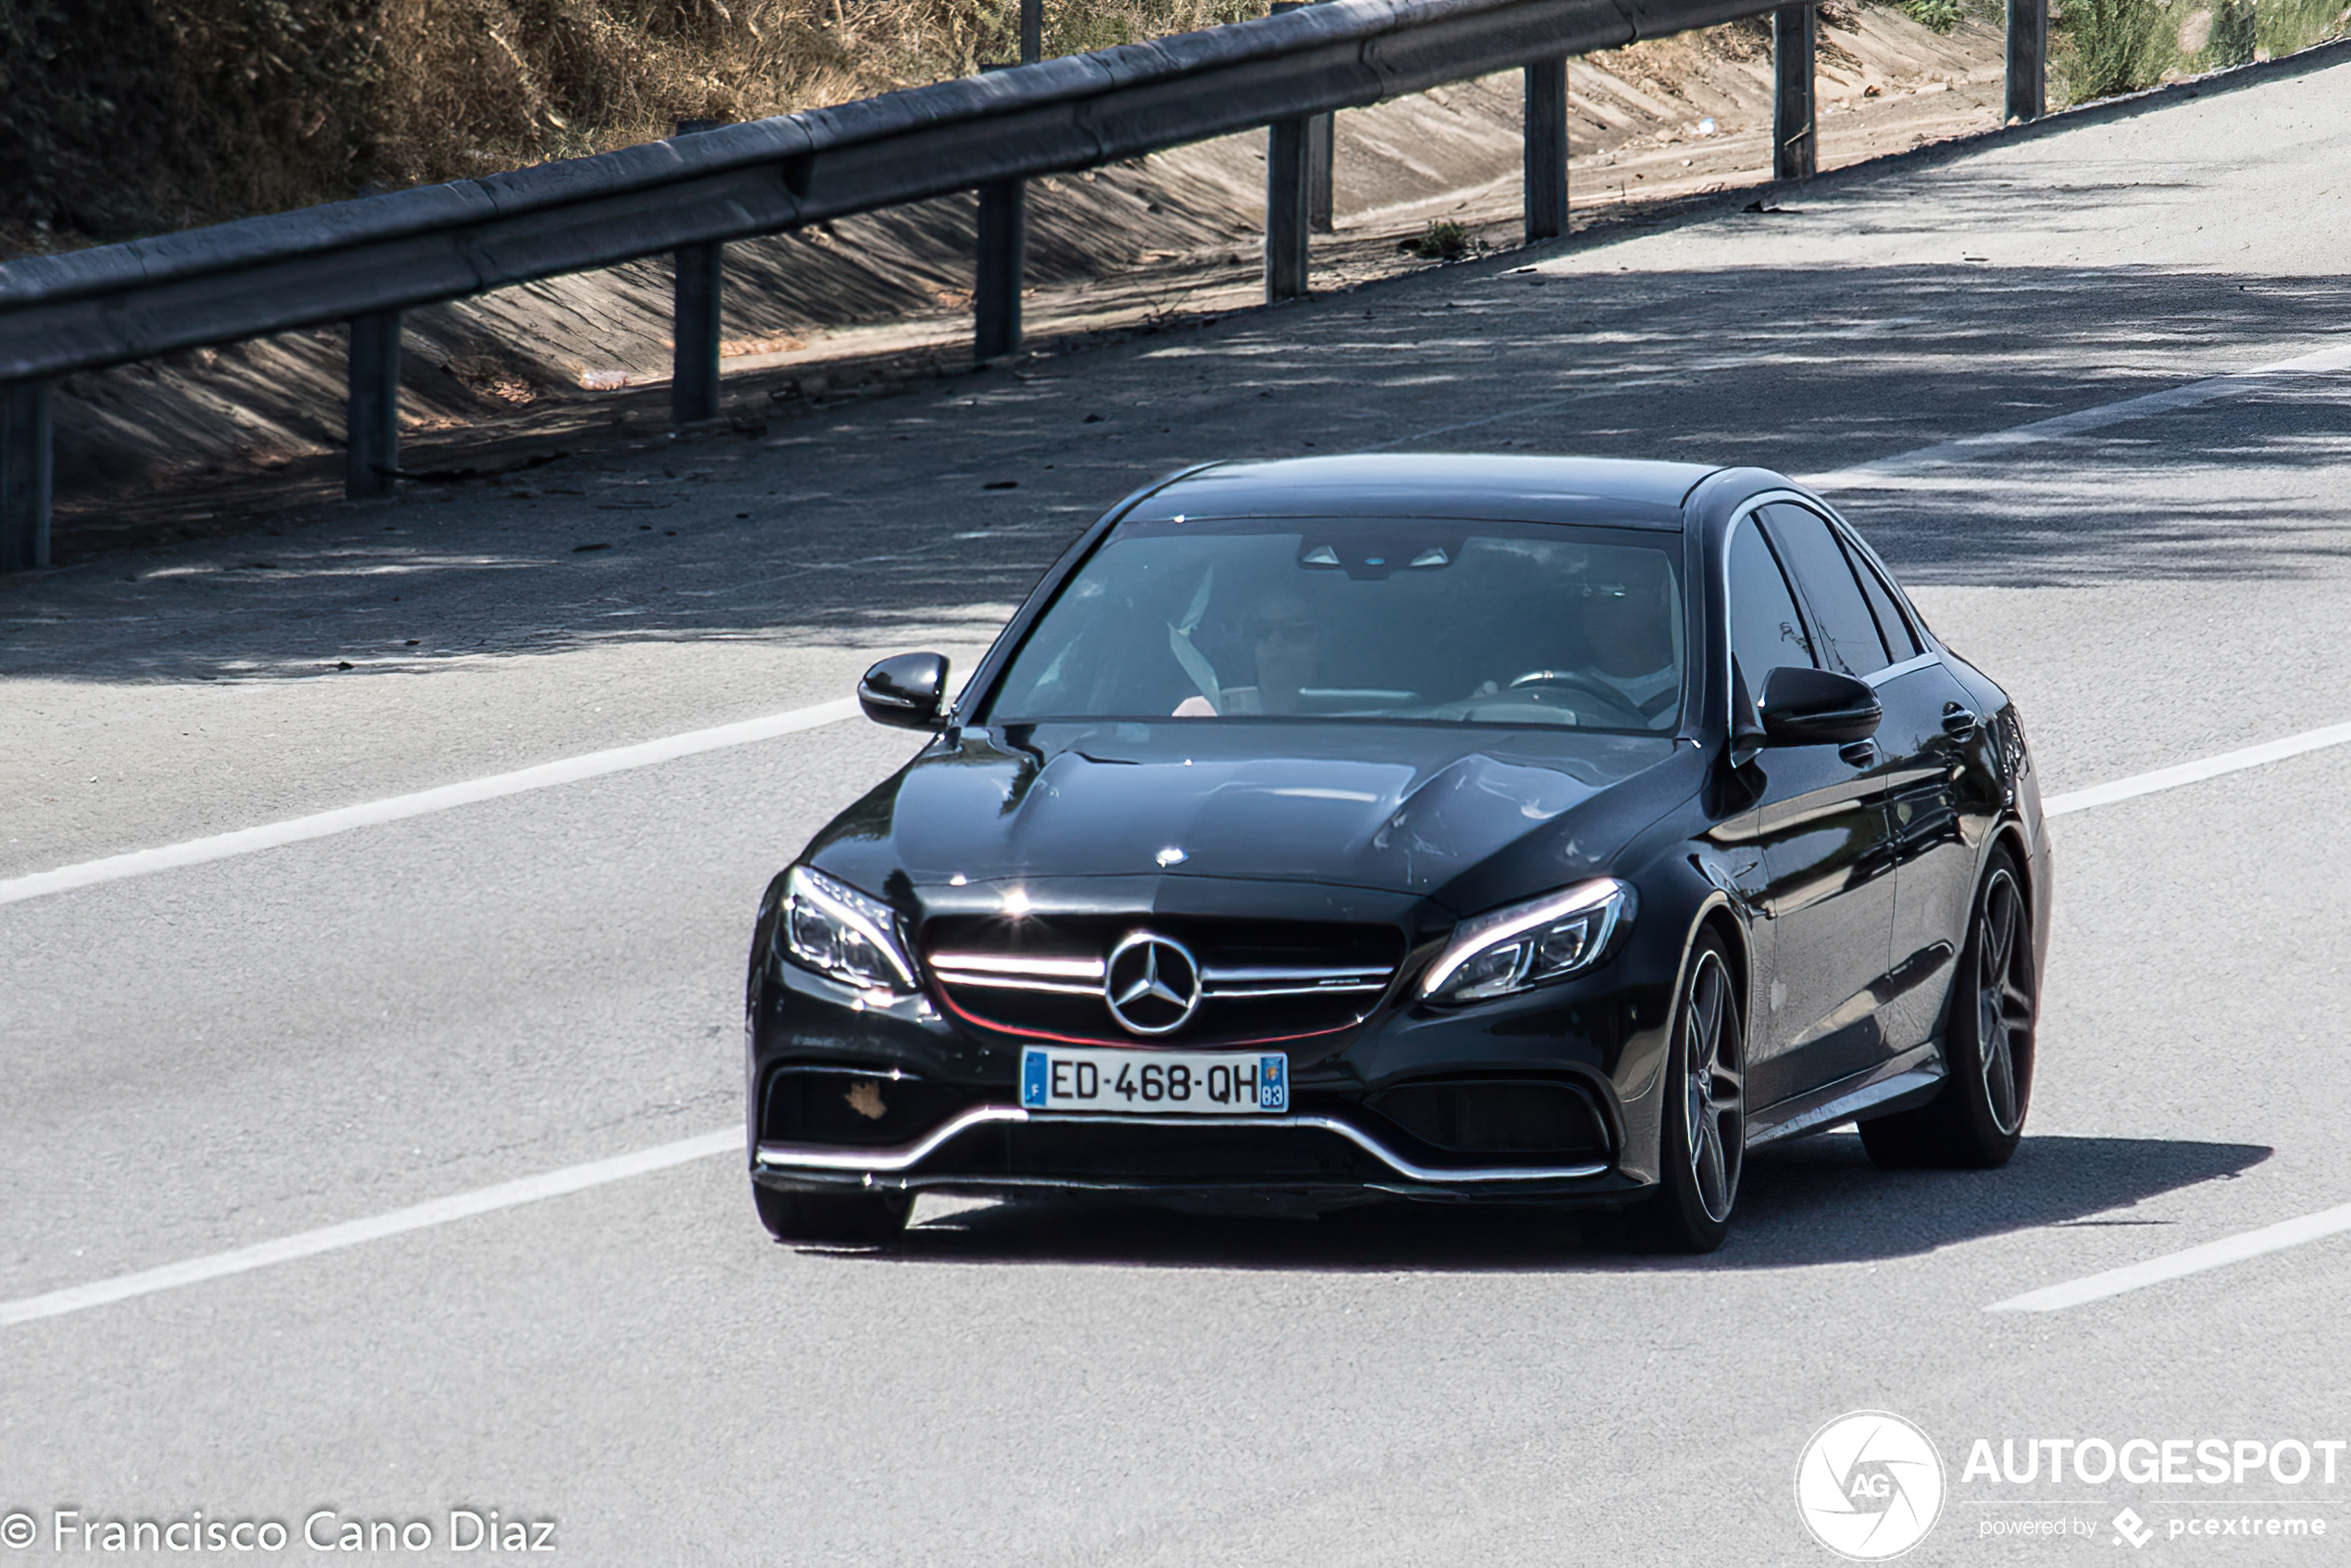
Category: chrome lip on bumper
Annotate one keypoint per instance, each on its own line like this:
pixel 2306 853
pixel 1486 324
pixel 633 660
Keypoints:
pixel 784 1156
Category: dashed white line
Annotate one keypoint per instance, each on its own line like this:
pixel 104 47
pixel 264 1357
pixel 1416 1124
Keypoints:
pixel 2197 772
pixel 2178 1265
pixel 1993 443
pixel 575 1177
pixel 330 1238
pixel 220 846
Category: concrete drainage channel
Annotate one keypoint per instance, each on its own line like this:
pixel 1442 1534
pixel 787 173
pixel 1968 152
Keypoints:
pixel 881 301
pixel 368 262
pixel 510 380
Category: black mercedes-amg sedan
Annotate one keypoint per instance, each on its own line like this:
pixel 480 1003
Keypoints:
pixel 1444 827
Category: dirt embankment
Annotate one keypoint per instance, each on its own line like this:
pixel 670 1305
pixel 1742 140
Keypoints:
pixel 202 442
pixel 131 116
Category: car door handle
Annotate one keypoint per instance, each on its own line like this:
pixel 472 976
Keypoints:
pixel 1860 753
pixel 1959 723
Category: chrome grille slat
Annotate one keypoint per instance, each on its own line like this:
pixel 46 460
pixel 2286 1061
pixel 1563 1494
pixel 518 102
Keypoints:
pixel 1019 983
pixel 1048 976
pixel 1292 975
pixel 1020 964
pixel 1328 988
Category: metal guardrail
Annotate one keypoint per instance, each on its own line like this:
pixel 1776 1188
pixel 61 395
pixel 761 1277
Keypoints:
pixel 365 261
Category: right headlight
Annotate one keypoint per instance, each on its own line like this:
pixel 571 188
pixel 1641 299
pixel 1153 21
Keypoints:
pixel 1524 945
pixel 827 926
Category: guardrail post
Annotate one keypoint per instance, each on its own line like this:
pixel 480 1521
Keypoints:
pixel 1032 32
pixel 25 449
pixel 1795 147
pixel 1286 178
pixel 1004 248
pixel 1546 149
pixel 1003 240
pixel 371 411
pixel 693 359
pixel 2028 58
pixel 1320 133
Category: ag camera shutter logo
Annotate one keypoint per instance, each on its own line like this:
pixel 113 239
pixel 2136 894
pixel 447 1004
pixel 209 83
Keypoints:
pixel 1869 1486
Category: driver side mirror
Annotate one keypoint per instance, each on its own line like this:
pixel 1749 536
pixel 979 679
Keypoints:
pixel 906 692
pixel 1807 707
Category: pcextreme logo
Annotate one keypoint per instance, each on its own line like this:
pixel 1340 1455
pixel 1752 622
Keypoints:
pixel 1869 1486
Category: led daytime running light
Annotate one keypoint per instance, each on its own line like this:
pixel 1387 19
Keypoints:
pixel 842 905
pixel 1607 895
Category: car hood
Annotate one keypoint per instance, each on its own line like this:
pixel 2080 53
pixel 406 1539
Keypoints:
pixel 1402 808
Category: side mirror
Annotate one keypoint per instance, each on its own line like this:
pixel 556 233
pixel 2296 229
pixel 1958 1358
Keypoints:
pixel 1806 707
pixel 906 692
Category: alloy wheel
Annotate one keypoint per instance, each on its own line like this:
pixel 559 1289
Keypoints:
pixel 1714 1100
pixel 2004 1000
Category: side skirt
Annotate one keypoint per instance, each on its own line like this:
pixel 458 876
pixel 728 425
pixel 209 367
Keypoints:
pixel 1898 1083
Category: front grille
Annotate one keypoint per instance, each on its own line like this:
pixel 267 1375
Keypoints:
pixel 1256 981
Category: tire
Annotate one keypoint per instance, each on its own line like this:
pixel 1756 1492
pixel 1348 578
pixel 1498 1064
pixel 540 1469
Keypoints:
pixel 832 1216
pixel 1702 1147
pixel 1976 1120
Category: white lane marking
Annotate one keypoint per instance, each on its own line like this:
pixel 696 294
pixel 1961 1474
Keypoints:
pixel 329 1238
pixel 2195 772
pixel 244 842
pixel 2237 383
pixel 195 851
pixel 531 1188
pixel 2175 1265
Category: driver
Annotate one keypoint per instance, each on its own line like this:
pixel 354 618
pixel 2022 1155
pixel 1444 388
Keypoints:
pixel 1628 621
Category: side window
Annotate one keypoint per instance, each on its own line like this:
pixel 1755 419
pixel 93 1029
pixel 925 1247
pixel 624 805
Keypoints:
pixel 1819 564
pixel 1766 631
pixel 1892 624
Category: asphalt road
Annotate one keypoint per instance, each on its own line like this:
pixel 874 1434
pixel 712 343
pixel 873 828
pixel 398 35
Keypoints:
pixel 226 1053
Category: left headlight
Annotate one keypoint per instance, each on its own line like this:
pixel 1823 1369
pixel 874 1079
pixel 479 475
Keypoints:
pixel 1529 945
pixel 827 926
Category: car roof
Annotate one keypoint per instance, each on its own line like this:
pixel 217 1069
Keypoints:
pixel 1464 485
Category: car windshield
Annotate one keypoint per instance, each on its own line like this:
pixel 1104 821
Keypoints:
pixel 1385 618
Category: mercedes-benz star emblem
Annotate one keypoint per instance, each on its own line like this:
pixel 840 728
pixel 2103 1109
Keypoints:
pixel 1151 983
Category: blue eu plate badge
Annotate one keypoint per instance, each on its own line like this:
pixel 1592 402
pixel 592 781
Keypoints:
pixel 1272 1083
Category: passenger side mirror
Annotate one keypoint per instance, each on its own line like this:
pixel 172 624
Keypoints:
pixel 906 691
pixel 1806 707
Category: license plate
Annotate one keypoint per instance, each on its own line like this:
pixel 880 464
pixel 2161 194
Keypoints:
pixel 1154 1083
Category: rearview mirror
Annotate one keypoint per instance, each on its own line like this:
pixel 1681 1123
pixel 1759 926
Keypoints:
pixel 906 691
pixel 1806 707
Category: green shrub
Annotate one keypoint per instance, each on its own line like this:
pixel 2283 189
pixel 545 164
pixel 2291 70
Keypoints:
pixel 1443 241
pixel 1940 14
pixel 2105 47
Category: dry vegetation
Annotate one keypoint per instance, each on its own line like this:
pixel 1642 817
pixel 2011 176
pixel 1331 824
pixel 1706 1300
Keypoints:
pixel 2104 47
pixel 132 116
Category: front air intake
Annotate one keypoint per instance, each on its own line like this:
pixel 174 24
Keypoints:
pixel 1518 1117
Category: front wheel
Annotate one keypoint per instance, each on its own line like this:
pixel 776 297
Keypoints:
pixel 1976 1120
pixel 832 1216
pixel 1704 1146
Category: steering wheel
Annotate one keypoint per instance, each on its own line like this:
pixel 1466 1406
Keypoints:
pixel 1608 695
